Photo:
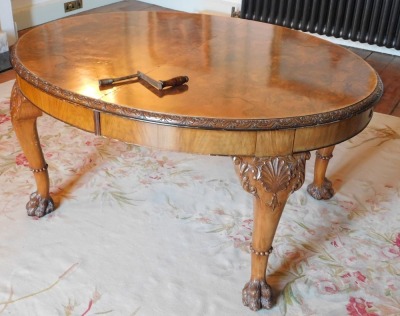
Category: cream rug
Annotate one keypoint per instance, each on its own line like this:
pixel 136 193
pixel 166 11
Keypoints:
pixel 146 232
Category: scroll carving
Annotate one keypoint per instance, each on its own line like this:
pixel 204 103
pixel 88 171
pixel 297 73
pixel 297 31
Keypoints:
pixel 271 174
pixel 17 98
pixel 16 111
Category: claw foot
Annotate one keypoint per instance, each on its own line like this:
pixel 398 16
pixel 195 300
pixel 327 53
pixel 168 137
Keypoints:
pixel 38 206
pixel 324 192
pixel 257 294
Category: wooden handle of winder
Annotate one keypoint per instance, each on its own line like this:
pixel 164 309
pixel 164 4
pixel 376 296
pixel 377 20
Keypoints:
pixel 174 82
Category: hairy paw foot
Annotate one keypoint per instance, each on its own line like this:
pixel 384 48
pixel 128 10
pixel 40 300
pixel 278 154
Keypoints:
pixel 38 206
pixel 325 192
pixel 257 294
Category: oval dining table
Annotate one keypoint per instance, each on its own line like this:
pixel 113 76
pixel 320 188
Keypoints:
pixel 263 94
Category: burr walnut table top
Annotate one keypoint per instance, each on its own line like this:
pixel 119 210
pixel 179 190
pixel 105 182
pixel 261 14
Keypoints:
pixel 254 88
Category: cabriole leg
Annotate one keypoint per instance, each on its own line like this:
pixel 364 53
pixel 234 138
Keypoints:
pixel 23 117
pixel 321 188
pixel 271 180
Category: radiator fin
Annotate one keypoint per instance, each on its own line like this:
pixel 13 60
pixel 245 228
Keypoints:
pixel 366 21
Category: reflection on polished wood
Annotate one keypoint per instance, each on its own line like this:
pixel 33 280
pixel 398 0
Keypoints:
pixel 262 94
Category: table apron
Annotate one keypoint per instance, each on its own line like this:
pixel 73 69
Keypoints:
pixel 196 140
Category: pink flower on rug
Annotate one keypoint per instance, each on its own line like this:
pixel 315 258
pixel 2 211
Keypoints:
pixel 145 182
pixel 354 279
pixel 391 252
pixel 94 142
pixel 50 155
pixel 156 177
pixel 359 276
pixel 241 242
pixel 127 154
pixel 347 205
pixel 359 307
pixel 204 220
pixel 219 212
pixel 247 224
pixel 166 163
pixel 392 285
pixel 397 241
pixel 21 160
pixel 327 287
pixel 4 118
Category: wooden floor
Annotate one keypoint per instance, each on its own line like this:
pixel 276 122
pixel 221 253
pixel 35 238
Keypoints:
pixel 387 66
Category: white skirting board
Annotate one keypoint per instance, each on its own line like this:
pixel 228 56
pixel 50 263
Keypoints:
pixel 349 43
pixel 43 12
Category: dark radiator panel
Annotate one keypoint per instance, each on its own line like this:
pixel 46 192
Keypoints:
pixel 366 21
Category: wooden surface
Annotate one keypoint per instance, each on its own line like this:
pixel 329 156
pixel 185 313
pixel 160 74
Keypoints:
pixel 228 79
pixel 253 90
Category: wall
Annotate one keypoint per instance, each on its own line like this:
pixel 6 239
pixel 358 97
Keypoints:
pixel 28 13
pixel 222 7
pixel 6 21
pixel 23 3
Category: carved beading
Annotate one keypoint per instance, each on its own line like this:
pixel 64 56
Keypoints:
pixel 198 122
pixel 319 156
pixel 261 253
pixel 272 174
pixel 40 169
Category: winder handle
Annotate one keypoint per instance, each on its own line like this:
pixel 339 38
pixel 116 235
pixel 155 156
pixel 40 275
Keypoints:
pixel 174 82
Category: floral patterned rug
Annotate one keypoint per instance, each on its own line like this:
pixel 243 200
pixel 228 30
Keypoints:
pixel 139 231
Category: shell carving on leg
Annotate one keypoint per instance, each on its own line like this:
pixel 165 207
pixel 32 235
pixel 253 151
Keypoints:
pixel 274 174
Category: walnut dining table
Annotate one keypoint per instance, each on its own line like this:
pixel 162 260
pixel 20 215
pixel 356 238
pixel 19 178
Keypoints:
pixel 262 94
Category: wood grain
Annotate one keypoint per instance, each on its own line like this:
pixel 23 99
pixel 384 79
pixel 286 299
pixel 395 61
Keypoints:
pixel 284 70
